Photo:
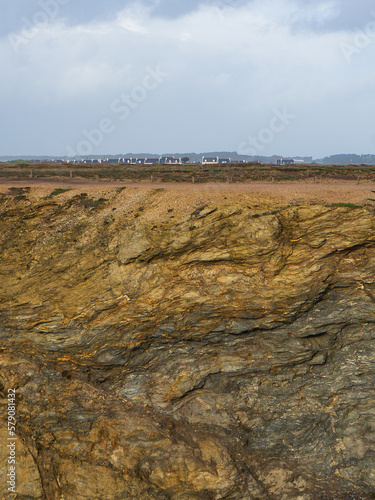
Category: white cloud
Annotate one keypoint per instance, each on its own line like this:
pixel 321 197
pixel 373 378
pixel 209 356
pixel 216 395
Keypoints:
pixel 135 17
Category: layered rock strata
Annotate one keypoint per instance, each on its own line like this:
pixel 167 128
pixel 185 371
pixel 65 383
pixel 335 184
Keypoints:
pixel 225 352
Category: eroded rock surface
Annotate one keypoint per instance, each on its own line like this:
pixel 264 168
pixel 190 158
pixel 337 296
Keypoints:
pixel 224 352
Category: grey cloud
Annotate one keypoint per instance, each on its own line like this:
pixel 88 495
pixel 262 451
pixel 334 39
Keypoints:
pixel 229 69
pixel 348 16
pixel 76 12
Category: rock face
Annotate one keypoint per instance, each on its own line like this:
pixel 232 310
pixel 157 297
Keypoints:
pixel 220 353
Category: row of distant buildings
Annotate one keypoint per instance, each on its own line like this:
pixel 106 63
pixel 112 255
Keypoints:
pixel 161 160
pixel 171 160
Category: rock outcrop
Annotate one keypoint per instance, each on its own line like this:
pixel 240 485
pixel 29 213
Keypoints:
pixel 225 352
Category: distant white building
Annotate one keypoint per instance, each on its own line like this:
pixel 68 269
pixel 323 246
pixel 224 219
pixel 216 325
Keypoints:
pixel 151 161
pixel 285 161
pixel 169 160
pixel 111 160
pixel 210 160
pixel 290 161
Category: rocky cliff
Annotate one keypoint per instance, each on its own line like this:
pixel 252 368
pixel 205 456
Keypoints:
pixel 179 351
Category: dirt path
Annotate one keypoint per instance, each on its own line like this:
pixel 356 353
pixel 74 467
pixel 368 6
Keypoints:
pixel 327 192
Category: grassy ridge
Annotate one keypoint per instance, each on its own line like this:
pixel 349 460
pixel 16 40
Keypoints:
pixel 190 173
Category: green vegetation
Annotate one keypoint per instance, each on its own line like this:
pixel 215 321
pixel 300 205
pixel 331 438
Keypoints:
pixel 348 205
pixel 89 202
pixel 18 193
pixel 15 191
pixel 19 162
pixel 58 191
pixel 273 212
pixel 235 173
pixel 97 203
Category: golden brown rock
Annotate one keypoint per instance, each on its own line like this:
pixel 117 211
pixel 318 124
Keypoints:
pixel 221 352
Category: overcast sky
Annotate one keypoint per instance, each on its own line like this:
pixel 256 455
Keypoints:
pixel 287 77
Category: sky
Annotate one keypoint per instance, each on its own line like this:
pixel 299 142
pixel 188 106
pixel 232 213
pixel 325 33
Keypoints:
pixel 260 77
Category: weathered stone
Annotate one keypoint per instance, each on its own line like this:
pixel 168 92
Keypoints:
pixel 226 354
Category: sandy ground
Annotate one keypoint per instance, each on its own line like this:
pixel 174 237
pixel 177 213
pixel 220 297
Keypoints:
pixel 257 192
